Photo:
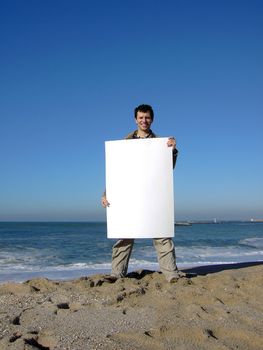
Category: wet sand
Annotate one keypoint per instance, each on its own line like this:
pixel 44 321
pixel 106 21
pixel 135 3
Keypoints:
pixel 221 308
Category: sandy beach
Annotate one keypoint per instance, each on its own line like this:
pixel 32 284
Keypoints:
pixel 220 308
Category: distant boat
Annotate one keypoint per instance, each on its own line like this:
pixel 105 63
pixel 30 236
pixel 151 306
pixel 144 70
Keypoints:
pixel 182 223
pixel 256 220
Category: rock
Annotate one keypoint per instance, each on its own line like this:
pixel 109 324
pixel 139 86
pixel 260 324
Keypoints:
pixel 63 306
pixel 47 339
pixel 75 306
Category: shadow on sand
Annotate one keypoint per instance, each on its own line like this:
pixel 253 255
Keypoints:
pixel 204 270
pixel 199 270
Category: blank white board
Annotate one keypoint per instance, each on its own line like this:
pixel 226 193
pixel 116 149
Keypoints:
pixel 139 188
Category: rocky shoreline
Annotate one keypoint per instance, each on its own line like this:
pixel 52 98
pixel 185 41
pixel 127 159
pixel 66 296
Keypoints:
pixel 214 310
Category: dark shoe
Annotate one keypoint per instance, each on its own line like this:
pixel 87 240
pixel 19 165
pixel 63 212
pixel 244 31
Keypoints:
pixel 176 276
pixel 110 278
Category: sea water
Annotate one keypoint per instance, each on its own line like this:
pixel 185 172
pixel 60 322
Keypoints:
pixel 70 250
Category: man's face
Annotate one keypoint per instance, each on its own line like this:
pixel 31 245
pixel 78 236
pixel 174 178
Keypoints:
pixel 143 121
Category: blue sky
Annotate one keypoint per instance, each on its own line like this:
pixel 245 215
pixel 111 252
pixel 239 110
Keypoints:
pixel 72 73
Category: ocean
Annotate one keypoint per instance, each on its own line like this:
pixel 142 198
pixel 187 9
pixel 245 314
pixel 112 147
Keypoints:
pixel 70 250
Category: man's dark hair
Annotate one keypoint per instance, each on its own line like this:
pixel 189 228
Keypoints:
pixel 144 108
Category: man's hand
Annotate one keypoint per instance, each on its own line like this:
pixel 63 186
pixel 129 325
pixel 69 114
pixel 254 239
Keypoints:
pixel 104 202
pixel 171 142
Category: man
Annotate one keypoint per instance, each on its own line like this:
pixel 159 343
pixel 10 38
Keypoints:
pixel 121 251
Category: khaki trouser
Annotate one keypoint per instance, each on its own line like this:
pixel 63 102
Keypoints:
pixel 121 253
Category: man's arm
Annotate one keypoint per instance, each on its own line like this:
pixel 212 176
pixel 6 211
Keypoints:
pixel 175 153
pixel 172 143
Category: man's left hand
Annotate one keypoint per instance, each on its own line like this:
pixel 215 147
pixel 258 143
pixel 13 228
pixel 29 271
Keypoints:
pixel 171 142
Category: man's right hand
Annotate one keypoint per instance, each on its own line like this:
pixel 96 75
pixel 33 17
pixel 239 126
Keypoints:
pixel 104 202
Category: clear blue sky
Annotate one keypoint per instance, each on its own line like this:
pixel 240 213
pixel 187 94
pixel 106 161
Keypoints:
pixel 71 73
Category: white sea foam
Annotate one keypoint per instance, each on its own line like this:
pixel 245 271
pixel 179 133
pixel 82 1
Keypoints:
pixel 247 250
pixel 44 254
pixel 81 266
pixel 255 242
pixel 24 264
pixel 204 251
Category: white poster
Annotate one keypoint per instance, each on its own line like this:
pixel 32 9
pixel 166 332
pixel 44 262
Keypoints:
pixel 139 187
